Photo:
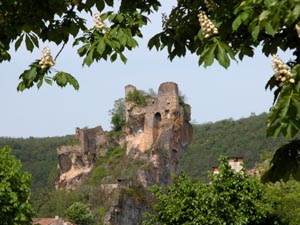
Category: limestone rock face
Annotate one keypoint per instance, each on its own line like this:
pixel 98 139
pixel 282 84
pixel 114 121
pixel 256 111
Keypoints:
pixel 125 207
pixel 161 129
pixel 156 134
pixel 76 161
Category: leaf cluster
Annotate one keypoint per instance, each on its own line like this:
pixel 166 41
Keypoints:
pixel 137 97
pixel 118 118
pixel 79 213
pixel 38 157
pixel 285 197
pixel 285 164
pixel 14 191
pixel 36 75
pixel 242 26
pixel 58 21
pixel 230 198
pixel 284 116
pixel 109 43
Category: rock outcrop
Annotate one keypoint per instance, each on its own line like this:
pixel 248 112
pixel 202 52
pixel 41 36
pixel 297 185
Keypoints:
pixel 157 131
pixel 76 161
pixel 156 135
pixel 161 129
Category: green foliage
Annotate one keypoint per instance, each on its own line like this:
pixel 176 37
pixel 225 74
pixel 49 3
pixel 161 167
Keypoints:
pixel 136 97
pixel 79 213
pixel 285 163
pixel 284 117
pixel 14 191
pixel 118 122
pixel 230 198
pixel 109 43
pixel 241 27
pixel 48 201
pixel 286 198
pixel 244 137
pixel 111 165
pixel 38 157
pixel 36 74
pixel 60 21
pixel 118 118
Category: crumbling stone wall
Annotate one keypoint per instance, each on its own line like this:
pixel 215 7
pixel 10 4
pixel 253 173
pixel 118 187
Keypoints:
pixel 156 135
pixel 76 161
pixel 160 128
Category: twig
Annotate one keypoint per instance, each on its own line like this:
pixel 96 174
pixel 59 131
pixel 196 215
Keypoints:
pixel 60 51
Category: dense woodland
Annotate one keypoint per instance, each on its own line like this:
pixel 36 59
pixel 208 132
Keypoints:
pixel 38 156
pixel 244 137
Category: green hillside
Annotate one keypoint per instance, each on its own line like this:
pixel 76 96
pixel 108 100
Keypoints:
pixel 38 156
pixel 244 137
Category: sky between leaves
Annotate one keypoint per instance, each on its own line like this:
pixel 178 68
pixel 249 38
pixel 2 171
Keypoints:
pixel 214 93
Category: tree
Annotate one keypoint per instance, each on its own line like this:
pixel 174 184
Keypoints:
pixel 15 208
pixel 286 198
pixel 219 30
pixel 79 213
pixel 118 117
pixel 231 198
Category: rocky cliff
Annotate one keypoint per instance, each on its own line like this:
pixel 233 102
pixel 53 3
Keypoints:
pixel 159 128
pixel 157 131
pixel 76 161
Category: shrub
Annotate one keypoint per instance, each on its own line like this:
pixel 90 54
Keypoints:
pixel 137 97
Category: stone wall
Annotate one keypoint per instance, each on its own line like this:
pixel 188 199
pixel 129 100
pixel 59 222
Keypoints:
pixel 160 128
pixel 76 161
pixel 157 133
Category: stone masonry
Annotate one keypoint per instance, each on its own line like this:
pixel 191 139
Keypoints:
pixel 157 133
pixel 76 161
pixel 160 128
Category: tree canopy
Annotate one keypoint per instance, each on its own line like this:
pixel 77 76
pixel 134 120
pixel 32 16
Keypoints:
pixel 79 213
pixel 230 198
pixel 14 191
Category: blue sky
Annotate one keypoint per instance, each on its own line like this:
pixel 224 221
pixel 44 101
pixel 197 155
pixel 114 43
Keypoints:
pixel 214 93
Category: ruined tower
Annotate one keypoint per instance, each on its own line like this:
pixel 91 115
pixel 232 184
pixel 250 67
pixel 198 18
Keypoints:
pixel 161 128
pixel 157 130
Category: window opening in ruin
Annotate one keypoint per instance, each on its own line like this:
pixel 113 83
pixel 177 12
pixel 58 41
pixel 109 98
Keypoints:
pixel 157 116
pixel 156 125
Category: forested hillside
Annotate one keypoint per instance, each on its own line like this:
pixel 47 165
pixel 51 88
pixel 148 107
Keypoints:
pixel 38 156
pixel 244 137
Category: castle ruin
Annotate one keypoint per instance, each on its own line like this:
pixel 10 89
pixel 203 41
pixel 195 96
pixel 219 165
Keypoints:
pixel 155 135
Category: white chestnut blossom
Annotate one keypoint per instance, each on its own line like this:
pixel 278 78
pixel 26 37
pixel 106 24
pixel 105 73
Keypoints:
pixel 46 59
pixel 207 27
pixel 98 23
pixel 281 70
